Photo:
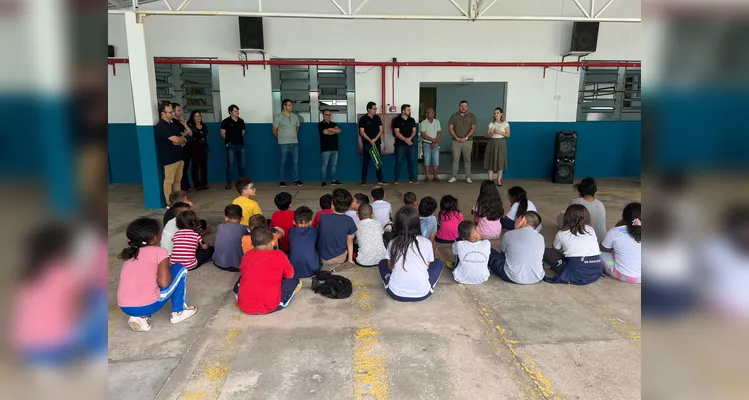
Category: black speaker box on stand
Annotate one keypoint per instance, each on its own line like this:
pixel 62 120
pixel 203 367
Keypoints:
pixel 565 152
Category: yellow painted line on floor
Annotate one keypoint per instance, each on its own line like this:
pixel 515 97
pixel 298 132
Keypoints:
pixel 505 339
pixel 370 372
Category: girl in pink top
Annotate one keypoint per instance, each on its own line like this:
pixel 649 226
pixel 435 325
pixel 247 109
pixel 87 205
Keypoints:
pixel 488 211
pixel 450 218
pixel 148 280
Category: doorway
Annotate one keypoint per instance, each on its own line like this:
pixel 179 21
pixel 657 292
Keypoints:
pixel 444 97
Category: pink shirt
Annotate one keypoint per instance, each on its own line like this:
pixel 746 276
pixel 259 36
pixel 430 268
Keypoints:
pixel 48 308
pixel 448 229
pixel 138 279
pixel 186 242
pixel 488 229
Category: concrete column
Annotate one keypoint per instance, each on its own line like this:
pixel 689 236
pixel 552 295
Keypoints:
pixel 143 82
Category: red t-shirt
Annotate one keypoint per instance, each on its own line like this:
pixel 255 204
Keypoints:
pixel 260 284
pixel 317 216
pixel 285 221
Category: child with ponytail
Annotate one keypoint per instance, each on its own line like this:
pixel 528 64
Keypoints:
pixel 519 205
pixel 622 248
pixel 139 295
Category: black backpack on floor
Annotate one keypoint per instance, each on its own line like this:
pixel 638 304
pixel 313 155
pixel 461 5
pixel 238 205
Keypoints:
pixel 331 286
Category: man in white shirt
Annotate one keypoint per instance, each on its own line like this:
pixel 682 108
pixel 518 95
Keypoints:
pixel 431 130
pixel 521 259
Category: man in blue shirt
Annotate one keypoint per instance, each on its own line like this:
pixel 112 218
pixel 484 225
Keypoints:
pixel 169 149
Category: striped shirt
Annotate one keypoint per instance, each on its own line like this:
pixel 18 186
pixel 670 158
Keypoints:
pixel 186 243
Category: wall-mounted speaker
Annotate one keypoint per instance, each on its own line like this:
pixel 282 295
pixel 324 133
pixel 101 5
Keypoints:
pixel 110 51
pixel 251 33
pixel 584 36
pixel 565 152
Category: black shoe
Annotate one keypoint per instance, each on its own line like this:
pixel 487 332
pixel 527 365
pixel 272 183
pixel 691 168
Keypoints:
pixel 413 181
pixel 228 186
pixel 363 183
pixel 336 183
pixel 325 184
pixel 395 183
pixel 383 183
pixel 282 184
pixel 298 183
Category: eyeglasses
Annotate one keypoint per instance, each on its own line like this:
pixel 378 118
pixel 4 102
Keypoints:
pixel 251 188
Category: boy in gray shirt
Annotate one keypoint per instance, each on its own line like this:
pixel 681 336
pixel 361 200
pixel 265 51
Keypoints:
pixel 521 259
pixel 228 254
pixel 587 189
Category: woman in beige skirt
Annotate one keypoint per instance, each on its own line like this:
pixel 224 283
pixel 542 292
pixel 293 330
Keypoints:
pixel 495 157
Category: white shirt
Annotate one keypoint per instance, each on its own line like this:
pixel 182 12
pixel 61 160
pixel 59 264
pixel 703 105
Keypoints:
pixel 500 126
pixel 167 234
pixel 513 213
pixel 727 276
pixel 371 246
pixel 627 252
pixel 354 216
pixel 412 280
pixel 472 261
pixel 382 210
pixel 571 245
pixel 524 252
pixel 597 215
pixel 430 128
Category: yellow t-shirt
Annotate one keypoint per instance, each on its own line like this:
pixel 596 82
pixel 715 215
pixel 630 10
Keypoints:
pixel 249 208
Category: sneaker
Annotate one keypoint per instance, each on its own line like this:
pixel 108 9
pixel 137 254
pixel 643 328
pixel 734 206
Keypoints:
pixel 298 183
pixel 363 183
pixel 298 287
pixel 413 181
pixel 188 312
pixel 427 180
pixel 469 180
pixel 282 184
pixel 228 186
pixel 325 184
pixel 140 324
pixel 437 180
pixel 451 180
pixel 396 183
pixel 336 183
pixel 383 183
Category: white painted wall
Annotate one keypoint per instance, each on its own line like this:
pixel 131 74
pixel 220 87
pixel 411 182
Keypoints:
pixel 529 96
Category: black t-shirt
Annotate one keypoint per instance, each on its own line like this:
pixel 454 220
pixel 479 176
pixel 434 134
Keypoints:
pixel 406 127
pixel 199 135
pixel 233 131
pixel 327 142
pixel 371 125
pixel 168 152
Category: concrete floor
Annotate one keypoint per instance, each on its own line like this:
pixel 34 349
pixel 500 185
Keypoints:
pixel 495 340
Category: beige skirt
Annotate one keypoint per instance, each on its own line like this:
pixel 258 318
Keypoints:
pixel 495 157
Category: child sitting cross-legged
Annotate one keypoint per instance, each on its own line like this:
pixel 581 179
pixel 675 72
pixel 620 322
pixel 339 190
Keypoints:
pixel 471 255
pixel 189 248
pixel 170 227
pixel 229 236
pixel 369 237
pixel 336 242
pixel 576 256
pixel 267 283
pixel 326 207
pixel 521 259
pixel 303 241
pixel 283 218
pixel 147 280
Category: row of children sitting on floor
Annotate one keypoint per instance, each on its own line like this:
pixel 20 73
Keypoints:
pixel 411 277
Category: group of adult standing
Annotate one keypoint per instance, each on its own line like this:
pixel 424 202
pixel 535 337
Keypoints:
pixel 182 145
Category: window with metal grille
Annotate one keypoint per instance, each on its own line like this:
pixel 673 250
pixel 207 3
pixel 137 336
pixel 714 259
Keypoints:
pixel 194 86
pixel 609 94
pixel 315 88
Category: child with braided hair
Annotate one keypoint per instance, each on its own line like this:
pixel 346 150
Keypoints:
pixel 139 295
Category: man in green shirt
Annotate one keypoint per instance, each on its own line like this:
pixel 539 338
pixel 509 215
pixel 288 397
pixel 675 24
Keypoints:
pixel 286 130
pixel 461 127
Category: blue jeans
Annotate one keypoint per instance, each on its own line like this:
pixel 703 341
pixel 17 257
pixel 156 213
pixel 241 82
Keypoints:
pixel 175 291
pixel 497 265
pixel 435 269
pixel 406 151
pixel 431 155
pixel 288 290
pixel 290 151
pixel 234 156
pixel 332 158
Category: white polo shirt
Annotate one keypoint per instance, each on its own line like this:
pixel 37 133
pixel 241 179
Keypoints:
pixel 430 128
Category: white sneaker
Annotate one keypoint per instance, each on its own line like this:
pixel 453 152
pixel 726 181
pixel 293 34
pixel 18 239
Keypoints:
pixel 469 180
pixel 140 324
pixel 183 315
pixel 451 180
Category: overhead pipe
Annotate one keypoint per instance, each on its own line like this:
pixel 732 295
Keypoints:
pixel 384 95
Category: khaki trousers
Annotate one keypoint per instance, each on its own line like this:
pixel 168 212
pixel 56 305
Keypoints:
pixel 465 149
pixel 172 178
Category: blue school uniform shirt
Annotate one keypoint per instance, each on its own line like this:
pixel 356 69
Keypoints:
pixel 228 246
pixel 304 258
pixel 334 231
